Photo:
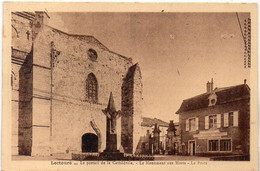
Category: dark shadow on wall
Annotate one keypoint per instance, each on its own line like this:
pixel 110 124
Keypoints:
pixel 25 106
pixel 127 96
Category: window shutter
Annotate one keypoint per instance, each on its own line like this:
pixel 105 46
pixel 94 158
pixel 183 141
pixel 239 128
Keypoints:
pixel 225 119
pixel 206 122
pixel 218 120
pixel 187 124
pixel 197 123
pixel 235 120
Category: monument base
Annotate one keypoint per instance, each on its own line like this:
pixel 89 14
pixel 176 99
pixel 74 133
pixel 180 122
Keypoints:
pixel 111 155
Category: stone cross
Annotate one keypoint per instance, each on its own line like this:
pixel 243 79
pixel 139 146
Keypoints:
pixel 112 116
pixel 28 35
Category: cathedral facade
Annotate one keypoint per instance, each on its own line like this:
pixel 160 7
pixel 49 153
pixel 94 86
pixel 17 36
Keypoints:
pixel 61 83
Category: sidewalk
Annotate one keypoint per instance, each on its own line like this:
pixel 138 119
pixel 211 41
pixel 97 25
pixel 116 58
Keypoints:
pixel 175 157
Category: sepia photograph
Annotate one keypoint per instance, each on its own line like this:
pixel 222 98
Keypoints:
pixel 151 87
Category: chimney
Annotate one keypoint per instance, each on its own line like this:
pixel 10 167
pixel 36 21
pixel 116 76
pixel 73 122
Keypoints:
pixel 209 86
pixel 244 81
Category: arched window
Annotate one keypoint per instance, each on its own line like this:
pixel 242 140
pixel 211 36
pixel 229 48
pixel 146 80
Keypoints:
pixel 92 88
pixel 92 54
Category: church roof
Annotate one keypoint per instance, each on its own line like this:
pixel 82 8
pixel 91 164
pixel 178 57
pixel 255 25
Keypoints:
pixel 224 95
pixel 86 38
pixel 89 39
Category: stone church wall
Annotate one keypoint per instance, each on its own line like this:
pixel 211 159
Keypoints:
pixel 21 33
pixel 70 70
pixel 25 106
pixel 131 109
pixel 138 105
pixel 49 94
pixel 23 25
pixel 21 46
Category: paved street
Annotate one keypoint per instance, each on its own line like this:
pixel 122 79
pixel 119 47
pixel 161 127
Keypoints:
pixel 32 158
pixel 174 157
pixel 156 157
pixel 56 157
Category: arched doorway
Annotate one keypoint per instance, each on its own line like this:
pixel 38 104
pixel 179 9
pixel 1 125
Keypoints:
pixel 89 143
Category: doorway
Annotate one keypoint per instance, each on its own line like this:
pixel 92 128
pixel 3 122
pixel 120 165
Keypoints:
pixel 89 143
pixel 192 149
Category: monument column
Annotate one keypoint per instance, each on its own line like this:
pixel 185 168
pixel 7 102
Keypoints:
pixel 112 115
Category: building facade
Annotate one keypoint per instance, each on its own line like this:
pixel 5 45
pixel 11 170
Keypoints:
pixel 157 137
pixel 60 85
pixel 216 123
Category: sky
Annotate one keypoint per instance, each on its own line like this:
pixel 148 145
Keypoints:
pixel 177 52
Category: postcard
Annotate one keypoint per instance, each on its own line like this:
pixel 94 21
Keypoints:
pixel 129 86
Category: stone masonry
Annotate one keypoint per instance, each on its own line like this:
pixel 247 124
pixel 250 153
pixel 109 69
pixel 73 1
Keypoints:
pixel 50 109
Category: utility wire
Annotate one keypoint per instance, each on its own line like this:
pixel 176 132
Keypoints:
pixel 241 28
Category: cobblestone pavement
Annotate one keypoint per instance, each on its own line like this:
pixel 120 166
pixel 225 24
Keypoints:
pixel 174 157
